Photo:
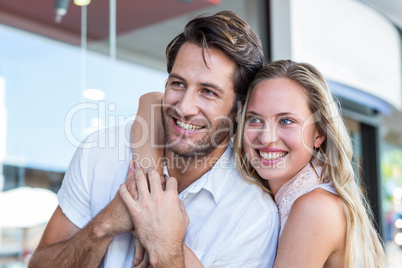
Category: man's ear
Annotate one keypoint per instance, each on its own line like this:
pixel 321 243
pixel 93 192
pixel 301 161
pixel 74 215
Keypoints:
pixel 239 111
pixel 237 117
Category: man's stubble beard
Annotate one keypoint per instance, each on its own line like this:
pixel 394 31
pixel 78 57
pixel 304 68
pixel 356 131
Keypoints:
pixel 206 145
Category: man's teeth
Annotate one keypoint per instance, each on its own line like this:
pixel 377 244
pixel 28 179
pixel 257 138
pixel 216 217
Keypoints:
pixel 271 156
pixel 187 126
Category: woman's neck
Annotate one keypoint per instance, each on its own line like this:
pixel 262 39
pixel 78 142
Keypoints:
pixel 275 186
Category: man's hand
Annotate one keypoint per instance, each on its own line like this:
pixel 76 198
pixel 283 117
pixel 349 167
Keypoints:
pixel 141 259
pixel 159 218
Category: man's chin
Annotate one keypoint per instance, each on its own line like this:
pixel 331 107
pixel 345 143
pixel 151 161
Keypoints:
pixel 190 151
pixel 182 151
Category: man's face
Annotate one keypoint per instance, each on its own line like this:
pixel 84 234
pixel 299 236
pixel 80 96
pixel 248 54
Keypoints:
pixel 198 108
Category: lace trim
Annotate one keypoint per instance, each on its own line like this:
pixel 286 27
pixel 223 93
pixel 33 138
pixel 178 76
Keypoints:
pixel 300 184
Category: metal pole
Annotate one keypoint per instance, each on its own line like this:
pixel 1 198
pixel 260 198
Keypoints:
pixel 83 62
pixel 112 28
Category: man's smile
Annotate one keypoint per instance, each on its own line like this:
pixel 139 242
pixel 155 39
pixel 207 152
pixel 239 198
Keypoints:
pixel 187 126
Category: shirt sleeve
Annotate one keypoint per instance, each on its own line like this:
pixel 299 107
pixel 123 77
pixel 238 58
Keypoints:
pixel 74 194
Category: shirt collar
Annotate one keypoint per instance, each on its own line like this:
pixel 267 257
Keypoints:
pixel 214 180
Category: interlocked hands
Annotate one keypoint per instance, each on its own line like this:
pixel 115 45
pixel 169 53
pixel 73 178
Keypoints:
pixel 159 218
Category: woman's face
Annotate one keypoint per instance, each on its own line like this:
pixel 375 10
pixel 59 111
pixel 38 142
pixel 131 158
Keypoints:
pixel 279 132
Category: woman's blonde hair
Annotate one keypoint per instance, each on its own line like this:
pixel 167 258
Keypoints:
pixel 362 241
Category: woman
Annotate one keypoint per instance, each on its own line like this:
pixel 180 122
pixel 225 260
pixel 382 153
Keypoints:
pixel 292 134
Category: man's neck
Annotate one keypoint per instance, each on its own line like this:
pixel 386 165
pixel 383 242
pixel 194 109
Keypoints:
pixel 188 170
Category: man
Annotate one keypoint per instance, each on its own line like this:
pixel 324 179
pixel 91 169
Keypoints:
pixel 232 223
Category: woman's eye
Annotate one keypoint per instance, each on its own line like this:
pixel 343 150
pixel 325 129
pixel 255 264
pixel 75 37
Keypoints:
pixel 254 120
pixel 286 121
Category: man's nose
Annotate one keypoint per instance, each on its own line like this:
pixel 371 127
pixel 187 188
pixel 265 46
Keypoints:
pixel 187 106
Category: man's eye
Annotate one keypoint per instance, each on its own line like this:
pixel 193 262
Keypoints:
pixel 208 92
pixel 177 84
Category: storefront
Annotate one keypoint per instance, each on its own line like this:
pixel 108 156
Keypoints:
pixel 61 80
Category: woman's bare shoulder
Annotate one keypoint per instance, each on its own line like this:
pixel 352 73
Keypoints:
pixel 315 229
pixel 320 203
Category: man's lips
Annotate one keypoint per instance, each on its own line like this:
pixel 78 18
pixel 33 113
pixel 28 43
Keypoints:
pixel 187 123
pixel 187 126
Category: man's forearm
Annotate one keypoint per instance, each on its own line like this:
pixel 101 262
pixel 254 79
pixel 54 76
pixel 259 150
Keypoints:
pixel 165 259
pixel 86 248
pixel 184 257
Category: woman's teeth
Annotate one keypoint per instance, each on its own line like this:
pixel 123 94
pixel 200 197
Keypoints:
pixel 187 126
pixel 271 156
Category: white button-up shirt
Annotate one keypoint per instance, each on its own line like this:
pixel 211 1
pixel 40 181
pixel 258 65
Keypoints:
pixel 233 223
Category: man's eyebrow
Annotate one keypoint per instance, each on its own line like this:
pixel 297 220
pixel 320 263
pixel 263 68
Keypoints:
pixel 173 75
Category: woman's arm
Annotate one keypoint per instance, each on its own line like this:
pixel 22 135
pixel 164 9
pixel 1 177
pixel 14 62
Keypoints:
pixel 314 232
pixel 147 137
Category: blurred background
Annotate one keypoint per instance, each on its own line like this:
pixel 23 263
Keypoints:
pixel 71 67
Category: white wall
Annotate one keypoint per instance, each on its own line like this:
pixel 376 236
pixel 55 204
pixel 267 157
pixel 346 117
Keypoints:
pixel 349 42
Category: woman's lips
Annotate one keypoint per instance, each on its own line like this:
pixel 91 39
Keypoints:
pixel 271 157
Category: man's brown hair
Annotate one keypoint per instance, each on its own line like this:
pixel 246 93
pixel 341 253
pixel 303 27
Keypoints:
pixel 229 33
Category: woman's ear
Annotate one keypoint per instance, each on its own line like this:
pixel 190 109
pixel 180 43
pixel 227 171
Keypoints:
pixel 319 139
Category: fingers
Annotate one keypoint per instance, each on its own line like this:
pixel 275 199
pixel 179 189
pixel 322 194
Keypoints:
pixel 171 185
pixel 163 182
pixel 132 188
pixel 142 184
pixel 130 173
pixel 132 166
pixel 126 196
pixel 145 262
pixel 139 252
pixel 154 182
